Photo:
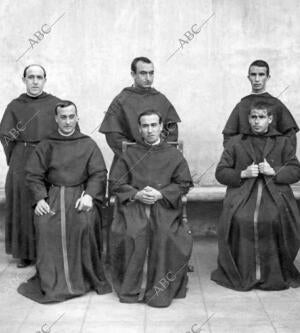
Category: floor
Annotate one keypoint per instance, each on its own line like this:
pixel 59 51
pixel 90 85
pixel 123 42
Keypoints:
pixel 207 307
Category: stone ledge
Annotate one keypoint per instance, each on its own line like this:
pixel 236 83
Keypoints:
pixel 203 193
pixel 217 193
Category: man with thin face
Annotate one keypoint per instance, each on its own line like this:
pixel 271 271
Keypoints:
pixel 259 228
pixel 148 181
pixel 282 121
pixel 66 175
pixel 120 121
pixel 26 121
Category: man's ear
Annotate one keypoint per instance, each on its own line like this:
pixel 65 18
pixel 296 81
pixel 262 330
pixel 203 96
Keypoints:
pixel 132 74
pixel 270 119
pixel 55 118
pixel 23 79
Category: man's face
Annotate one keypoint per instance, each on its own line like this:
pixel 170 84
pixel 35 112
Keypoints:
pixel 66 119
pixel 259 121
pixel 258 78
pixel 150 128
pixel 34 80
pixel 143 78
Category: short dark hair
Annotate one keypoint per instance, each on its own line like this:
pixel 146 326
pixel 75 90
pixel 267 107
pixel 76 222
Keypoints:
pixel 261 106
pixel 149 112
pixel 136 60
pixel 27 67
pixel 64 104
pixel 260 63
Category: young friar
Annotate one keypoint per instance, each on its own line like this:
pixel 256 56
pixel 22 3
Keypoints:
pixel 259 228
pixel 67 177
pixel 282 119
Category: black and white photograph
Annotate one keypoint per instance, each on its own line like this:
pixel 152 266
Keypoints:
pixel 149 169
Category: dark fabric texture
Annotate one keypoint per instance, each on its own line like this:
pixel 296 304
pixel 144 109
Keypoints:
pixel 26 119
pixel 77 159
pixel 121 119
pixel 167 240
pixel 283 120
pixel 278 223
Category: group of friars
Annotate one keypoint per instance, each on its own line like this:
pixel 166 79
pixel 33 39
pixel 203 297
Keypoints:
pixel 56 188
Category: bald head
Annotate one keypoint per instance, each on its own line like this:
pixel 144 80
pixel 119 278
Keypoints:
pixel 34 65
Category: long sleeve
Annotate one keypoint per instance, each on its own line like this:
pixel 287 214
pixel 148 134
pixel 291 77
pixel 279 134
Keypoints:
pixel 96 183
pixel 113 120
pixel 8 133
pixel 289 171
pixel 232 125
pixel 115 140
pixel 180 183
pixel 36 169
pixel 291 134
pixel 226 173
pixel 119 182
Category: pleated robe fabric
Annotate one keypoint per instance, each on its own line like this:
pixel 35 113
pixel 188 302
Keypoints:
pixel 68 249
pixel 150 234
pixel 26 121
pixel 259 228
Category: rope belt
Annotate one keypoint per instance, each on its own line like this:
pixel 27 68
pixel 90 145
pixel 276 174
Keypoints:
pixel 64 238
pixel 256 247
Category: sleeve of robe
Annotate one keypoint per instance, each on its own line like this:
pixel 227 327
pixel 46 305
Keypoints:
pixel 289 171
pixel 114 127
pixel 232 125
pixel 96 169
pixel 181 181
pixel 119 182
pixel 115 141
pixel 286 121
pixel 36 168
pixel 226 174
pixel 7 134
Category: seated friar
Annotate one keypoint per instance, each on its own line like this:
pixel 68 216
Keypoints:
pixel 150 245
pixel 67 177
pixel 259 228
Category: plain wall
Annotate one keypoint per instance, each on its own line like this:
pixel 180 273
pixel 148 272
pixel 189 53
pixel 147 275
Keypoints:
pixel 88 53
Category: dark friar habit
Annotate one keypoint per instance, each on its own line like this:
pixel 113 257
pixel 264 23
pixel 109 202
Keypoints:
pixel 283 121
pixel 68 253
pixel 150 234
pixel 121 119
pixel 26 121
pixel 259 228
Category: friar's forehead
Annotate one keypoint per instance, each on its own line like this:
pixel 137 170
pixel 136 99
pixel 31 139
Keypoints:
pixel 35 69
pixel 258 112
pixel 70 109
